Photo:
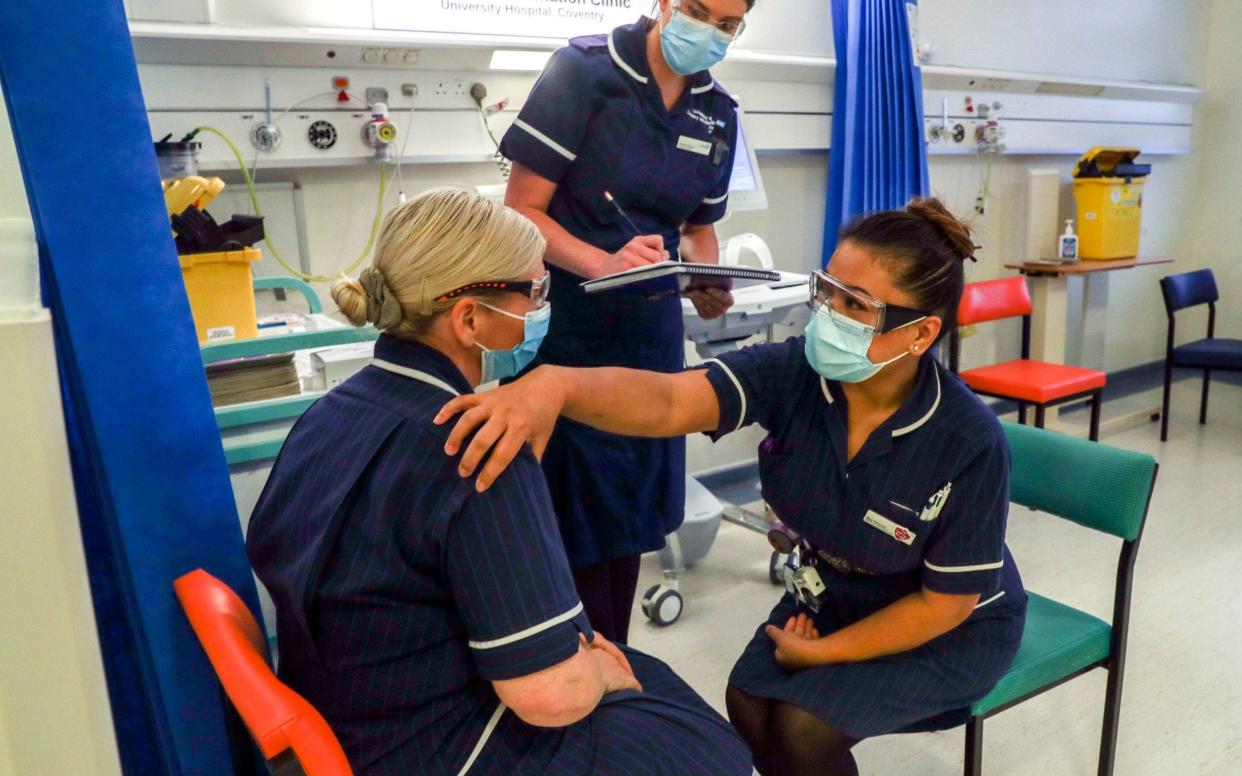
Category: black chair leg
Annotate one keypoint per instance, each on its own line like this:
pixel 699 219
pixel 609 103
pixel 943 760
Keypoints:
pixel 1021 413
pixel 1112 720
pixel 1207 379
pixel 1097 400
pixel 974 747
pixel 1164 410
pixel 1039 415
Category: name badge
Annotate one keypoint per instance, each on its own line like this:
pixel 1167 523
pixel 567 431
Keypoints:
pixel 694 146
pixel 898 532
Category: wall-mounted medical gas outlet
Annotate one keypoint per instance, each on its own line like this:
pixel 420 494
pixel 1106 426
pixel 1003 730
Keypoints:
pixel 990 134
pixel 379 133
pixel 951 134
pixel 322 135
pixel 946 131
pixel 265 135
pixel 974 126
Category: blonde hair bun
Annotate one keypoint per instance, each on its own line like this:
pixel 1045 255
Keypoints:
pixel 435 243
pixel 351 299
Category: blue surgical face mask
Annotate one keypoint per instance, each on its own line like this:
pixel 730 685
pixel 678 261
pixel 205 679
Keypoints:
pixel 691 46
pixel 837 346
pixel 500 364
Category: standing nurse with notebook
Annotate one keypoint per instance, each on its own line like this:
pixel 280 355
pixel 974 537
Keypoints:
pixel 637 114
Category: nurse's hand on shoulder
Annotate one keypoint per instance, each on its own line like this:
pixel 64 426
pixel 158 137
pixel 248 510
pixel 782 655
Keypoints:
pixel 643 249
pixel 506 418
pixel 797 646
pixel 710 303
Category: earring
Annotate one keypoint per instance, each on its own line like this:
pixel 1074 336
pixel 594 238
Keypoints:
pixel 916 348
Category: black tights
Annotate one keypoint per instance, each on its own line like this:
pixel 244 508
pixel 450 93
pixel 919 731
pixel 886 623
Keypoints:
pixel 787 741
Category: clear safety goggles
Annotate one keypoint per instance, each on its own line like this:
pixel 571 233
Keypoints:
pixel 727 30
pixel 536 290
pixel 859 306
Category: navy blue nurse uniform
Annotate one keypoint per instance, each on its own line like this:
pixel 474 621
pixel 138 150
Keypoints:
pixel 401 594
pixel 596 122
pixel 923 503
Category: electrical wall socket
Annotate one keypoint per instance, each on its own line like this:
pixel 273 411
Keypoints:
pixel 451 88
pixel 409 90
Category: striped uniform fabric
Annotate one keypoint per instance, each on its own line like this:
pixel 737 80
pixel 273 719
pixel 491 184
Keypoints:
pixel 401 594
pixel 595 121
pixel 923 504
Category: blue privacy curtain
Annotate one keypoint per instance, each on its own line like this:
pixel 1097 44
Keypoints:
pixel 149 472
pixel 878 159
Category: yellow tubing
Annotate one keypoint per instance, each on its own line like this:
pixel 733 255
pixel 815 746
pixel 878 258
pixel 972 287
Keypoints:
pixel 254 201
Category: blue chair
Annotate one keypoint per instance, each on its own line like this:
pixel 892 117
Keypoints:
pixel 1191 289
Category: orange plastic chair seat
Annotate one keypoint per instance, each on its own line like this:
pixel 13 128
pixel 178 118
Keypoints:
pixel 1033 381
pixel 279 720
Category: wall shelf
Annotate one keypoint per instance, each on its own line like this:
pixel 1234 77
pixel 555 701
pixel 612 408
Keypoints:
pixel 165 42
pixel 788 97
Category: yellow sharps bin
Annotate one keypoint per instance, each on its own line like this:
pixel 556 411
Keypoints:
pixel 1108 187
pixel 221 290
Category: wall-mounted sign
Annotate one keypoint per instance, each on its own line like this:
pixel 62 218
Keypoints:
pixel 558 19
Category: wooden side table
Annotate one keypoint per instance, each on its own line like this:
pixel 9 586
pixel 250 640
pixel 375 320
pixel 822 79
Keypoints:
pixel 1050 295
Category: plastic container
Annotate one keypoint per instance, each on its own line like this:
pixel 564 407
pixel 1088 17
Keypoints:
pixel 1068 250
pixel 177 159
pixel 1108 187
pixel 221 291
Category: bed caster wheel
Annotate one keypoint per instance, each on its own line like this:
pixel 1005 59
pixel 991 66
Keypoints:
pixel 662 605
pixel 776 569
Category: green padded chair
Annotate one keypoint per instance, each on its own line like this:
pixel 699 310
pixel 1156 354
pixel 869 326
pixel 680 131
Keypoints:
pixel 1100 487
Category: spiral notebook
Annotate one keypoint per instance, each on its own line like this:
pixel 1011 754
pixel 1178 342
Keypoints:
pixel 671 277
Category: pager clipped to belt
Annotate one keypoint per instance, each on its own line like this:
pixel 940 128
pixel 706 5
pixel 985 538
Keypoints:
pixel 801 577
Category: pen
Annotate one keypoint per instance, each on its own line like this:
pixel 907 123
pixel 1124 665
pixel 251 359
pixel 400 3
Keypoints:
pixel 608 196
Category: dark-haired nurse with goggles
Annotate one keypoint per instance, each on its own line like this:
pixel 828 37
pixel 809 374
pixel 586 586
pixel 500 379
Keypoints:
pixel 621 156
pixel 889 472
pixel 847 319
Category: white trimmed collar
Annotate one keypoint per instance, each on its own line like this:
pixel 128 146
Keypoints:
pixel 823 386
pixel 707 84
pixel 927 416
pixel 621 63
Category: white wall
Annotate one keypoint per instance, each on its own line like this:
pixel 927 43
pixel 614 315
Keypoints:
pixel 1135 323
pixel 12 190
pixel 1216 219
pixel 1138 40
pixel 1144 39
pixel 1132 40
pixel 54 713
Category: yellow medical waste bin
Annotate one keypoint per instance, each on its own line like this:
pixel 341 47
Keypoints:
pixel 221 290
pixel 1108 187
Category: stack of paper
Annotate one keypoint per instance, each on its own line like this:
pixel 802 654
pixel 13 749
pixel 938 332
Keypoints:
pixel 252 379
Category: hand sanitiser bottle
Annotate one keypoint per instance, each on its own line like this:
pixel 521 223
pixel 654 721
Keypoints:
pixel 1069 242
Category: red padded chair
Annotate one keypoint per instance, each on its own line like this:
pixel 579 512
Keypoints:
pixel 293 737
pixel 1022 380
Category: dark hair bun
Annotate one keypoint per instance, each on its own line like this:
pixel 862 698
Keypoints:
pixel 956 232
